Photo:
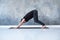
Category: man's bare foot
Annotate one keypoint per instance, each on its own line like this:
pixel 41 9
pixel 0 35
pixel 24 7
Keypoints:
pixel 43 26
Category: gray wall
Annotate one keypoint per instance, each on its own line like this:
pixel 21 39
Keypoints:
pixel 11 11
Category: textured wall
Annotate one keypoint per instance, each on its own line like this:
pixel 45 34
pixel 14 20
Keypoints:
pixel 11 11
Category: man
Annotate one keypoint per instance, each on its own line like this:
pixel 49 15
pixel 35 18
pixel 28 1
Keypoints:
pixel 30 15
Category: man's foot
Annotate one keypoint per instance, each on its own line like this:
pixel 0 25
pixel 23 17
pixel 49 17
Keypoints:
pixel 43 27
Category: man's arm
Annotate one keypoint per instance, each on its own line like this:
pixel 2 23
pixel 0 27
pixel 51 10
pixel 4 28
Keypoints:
pixel 21 23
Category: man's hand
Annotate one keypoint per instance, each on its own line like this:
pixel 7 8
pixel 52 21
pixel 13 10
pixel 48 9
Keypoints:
pixel 18 27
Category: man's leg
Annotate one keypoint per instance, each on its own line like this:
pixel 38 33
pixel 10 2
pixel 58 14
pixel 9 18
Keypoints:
pixel 35 16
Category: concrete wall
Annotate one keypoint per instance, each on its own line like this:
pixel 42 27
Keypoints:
pixel 11 11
